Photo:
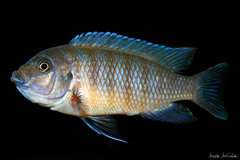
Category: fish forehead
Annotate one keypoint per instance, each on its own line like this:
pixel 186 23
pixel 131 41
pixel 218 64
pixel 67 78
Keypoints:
pixel 59 54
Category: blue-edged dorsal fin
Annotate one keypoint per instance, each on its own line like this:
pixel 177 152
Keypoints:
pixel 177 59
pixel 104 125
pixel 174 113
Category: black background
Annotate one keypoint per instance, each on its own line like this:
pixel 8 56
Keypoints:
pixel 34 132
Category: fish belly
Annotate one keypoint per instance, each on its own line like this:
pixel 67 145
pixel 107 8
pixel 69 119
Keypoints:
pixel 119 83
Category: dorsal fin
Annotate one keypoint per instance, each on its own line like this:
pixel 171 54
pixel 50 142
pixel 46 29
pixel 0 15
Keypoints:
pixel 177 59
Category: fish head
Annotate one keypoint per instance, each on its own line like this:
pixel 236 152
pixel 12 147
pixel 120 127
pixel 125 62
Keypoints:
pixel 44 79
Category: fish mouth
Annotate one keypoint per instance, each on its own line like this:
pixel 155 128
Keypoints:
pixel 18 79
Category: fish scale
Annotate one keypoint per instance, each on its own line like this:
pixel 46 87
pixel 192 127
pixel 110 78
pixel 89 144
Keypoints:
pixel 123 84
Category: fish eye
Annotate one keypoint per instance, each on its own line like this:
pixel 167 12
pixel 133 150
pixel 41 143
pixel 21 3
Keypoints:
pixel 44 66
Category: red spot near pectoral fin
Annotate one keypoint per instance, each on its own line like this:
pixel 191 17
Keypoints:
pixel 77 106
pixel 75 99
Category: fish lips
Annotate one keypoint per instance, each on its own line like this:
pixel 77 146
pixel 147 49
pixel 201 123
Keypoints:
pixel 18 79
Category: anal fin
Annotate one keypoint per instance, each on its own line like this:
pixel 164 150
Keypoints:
pixel 104 125
pixel 174 113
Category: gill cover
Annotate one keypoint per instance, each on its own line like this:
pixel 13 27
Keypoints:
pixel 51 77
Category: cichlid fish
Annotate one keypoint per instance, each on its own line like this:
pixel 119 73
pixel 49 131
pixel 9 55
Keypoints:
pixel 98 75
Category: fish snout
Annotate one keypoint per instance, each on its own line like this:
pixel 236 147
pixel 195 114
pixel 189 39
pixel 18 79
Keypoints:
pixel 17 78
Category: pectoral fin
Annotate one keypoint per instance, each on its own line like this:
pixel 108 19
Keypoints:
pixel 104 125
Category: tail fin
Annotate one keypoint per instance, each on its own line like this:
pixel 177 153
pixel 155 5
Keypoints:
pixel 210 90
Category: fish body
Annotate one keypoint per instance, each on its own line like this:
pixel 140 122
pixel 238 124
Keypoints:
pixel 113 82
pixel 102 74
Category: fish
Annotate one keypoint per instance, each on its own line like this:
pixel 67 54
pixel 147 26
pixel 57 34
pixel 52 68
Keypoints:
pixel 101 74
